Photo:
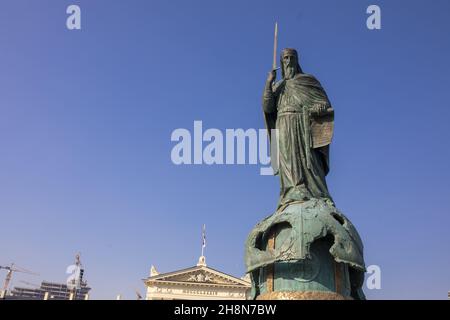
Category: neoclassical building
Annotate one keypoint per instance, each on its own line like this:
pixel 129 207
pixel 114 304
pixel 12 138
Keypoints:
pixel 199 282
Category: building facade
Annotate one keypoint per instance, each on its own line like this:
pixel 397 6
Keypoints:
pixel 199 282
pixel 49 291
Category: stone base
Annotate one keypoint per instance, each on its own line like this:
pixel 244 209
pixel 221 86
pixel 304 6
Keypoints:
pixel 308 295
pixel 306 251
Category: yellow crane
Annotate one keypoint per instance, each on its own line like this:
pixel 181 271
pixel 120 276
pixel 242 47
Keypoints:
pixel 10 270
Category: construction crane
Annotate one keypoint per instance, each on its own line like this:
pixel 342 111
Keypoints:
pixel 11 269
pixel 76 270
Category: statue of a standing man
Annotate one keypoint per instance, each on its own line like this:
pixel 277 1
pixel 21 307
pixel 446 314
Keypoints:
pixel 299 108
pixel 307 249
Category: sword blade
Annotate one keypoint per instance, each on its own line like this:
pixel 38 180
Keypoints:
pixel 275 44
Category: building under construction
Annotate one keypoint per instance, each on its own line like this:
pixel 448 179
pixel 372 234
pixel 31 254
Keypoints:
pixel 50 291
pixel 75 288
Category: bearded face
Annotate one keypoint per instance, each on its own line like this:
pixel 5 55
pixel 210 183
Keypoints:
pixel 289 66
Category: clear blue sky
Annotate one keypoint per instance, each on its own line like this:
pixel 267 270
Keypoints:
pixel 86 118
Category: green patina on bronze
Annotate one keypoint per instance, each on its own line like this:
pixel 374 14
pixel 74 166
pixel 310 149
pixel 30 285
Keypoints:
pixel 298 107
pixel 315 248
pixel 304 224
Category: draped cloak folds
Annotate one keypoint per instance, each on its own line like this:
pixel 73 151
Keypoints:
pixel 284 109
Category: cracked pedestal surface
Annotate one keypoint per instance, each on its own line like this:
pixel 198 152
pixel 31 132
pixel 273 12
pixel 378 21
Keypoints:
pixel 307 250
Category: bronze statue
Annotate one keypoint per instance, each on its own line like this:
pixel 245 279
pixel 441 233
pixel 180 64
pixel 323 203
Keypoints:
pixel 306 249
pixel 299 108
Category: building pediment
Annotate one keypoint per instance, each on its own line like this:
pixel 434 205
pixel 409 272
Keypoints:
pixel 199 275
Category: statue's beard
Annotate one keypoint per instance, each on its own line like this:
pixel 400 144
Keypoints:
pixel 289 72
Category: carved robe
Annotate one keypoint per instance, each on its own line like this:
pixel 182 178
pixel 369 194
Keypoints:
pixel 299 108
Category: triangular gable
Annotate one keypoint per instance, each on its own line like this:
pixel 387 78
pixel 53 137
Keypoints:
pixel 199 274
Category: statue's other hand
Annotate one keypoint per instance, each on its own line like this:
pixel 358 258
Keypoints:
pixel 271 76
pixel 319 110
